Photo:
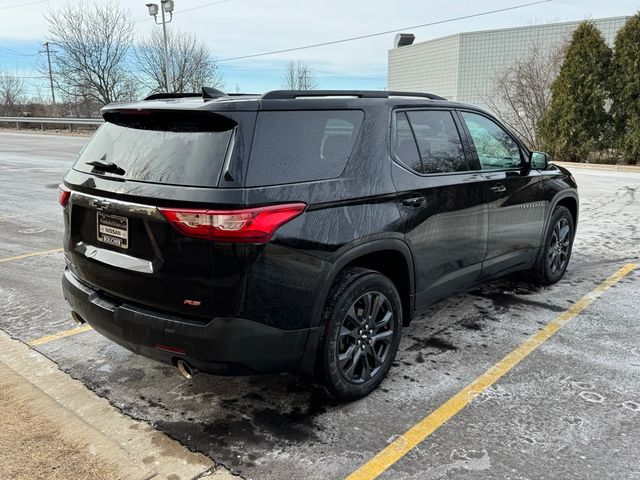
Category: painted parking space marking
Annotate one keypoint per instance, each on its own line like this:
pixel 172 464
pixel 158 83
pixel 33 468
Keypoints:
pixel 59 335
pixel 33 254
pixel 429 424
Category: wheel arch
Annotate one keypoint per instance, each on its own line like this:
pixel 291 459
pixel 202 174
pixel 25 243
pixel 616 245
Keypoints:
pixel 571 203
pixel 568 199
pixel 372 255
pixel 397 265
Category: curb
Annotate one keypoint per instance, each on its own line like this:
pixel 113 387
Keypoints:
pixel 600 166
pixel 141 451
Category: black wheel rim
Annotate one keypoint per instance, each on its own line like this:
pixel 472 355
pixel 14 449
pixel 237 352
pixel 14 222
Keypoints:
pixel 365 336
pixel 558 254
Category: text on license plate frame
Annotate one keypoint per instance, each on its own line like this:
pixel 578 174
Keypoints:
pixel 112 229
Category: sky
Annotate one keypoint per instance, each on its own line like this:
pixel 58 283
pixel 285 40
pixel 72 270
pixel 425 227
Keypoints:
pixel 233 28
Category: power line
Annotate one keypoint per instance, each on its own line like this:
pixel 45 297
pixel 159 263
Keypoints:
pixel 29 77
pixel 373 76
pixel 377 34
pixel 18 5
pixel 202 6
pixel 8 51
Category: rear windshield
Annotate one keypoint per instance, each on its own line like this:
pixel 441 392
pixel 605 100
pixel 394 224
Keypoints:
pixel 193 158
pixel 300 146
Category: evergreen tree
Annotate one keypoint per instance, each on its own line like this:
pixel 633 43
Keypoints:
pixel 576 122
pixel 625 90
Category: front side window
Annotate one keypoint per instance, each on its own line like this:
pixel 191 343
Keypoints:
pixel 302 146
pixel 427 141
pixel 495 147
pixel 438 141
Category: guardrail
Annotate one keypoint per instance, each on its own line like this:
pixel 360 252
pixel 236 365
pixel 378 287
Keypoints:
pixel 70 122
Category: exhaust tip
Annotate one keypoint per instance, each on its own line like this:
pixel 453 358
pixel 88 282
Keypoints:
pixel 186 370
pixel 78 319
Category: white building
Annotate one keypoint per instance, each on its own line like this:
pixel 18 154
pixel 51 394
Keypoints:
pixel 464 66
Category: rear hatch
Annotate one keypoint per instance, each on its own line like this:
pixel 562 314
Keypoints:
pixel 118 241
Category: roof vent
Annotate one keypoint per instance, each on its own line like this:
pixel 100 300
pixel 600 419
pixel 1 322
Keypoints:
pixel 403 39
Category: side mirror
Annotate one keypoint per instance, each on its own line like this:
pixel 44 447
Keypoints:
pixel 540 160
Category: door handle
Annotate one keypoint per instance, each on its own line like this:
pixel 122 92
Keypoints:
pixel 498 189
pixel 416 201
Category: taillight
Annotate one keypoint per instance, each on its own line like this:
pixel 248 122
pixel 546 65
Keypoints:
pixel 247 225
pixel 63 195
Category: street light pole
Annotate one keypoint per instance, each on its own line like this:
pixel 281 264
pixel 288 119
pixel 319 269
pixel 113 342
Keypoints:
pixel 166 6
pixel 166 48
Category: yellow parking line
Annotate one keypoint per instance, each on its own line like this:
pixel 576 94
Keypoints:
pixel 27 255
pixel 419 432
pixel 58 336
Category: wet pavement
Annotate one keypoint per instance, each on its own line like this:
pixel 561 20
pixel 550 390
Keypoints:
pixel 569 410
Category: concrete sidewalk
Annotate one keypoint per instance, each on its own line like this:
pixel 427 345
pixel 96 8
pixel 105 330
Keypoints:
pixel 63 430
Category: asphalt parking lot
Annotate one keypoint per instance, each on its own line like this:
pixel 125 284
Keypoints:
pixel 570 409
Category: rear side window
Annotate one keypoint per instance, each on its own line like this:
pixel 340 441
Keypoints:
pixel 406 151
pixel 155 149
pixel 438 141
pixel 301 146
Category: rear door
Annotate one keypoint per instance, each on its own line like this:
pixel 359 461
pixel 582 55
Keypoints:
pixel 441 201
pixel 116 238
pixel 516 209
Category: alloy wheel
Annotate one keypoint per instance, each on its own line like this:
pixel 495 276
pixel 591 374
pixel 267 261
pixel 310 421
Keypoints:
pixel 559 246
pixel 365 337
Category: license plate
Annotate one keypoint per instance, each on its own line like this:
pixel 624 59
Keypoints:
pixel 113 230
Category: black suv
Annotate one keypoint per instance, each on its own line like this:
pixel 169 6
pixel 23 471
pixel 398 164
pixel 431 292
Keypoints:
pixel 299 231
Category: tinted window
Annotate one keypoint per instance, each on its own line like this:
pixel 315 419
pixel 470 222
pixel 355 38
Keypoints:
pixel 406 149
pixel 496 149
pixel 192 158
pixel 438 141
pixel 300 146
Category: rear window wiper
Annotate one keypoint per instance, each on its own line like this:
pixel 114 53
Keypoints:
pixel 105 166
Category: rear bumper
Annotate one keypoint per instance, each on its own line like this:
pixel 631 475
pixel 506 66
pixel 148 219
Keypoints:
pixel 224 346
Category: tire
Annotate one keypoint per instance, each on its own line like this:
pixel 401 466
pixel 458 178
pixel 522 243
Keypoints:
pixel 353 361
pixel 556 252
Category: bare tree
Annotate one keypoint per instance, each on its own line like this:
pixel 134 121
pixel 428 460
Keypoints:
pixel 522 92
pixel 191 65
pixel 92 43
pixel 299 76
pixel 11 93
pixel 79 103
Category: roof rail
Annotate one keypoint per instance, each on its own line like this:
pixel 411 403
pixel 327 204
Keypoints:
pixel 159 96
pixel 415 94
pixel 292 94
pixel 209 93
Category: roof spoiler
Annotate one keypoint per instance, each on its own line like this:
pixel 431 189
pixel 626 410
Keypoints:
pixel 208 93
pixel 161 96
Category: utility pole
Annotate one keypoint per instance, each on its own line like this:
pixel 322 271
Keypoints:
pixel 53 95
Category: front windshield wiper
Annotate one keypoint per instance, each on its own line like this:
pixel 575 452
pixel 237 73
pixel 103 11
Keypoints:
pixel 105 166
